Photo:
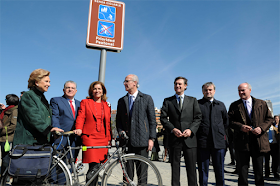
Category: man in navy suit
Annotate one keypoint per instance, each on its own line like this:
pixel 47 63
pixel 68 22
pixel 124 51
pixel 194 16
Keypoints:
pixel 211 135
pixel 64 113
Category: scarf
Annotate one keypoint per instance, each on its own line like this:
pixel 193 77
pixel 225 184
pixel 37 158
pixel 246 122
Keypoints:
pixel 7 108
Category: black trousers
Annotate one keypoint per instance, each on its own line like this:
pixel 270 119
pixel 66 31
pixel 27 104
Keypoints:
pixel 274 153
pixel 141 169
pixel 244 160
pixel 190 156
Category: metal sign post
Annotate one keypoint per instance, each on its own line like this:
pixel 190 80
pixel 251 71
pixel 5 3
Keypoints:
pixel 105 29
pixel 102 66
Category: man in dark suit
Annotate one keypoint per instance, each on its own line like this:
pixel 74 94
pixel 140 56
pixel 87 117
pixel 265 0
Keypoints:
pixel 250 118
pixel 181 115
pixel 211 136
pixel 136 117
pixel 64 113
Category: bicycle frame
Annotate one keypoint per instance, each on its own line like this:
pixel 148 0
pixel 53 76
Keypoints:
pixel 118 152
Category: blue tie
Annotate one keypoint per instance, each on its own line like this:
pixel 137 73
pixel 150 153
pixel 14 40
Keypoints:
pixel 270 138
pixel 130 105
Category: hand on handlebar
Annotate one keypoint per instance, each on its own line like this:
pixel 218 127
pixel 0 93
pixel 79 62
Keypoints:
pixel 78 132
pixel 123 135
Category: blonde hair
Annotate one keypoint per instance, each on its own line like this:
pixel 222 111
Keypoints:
pixel 36 76
pixel 90 90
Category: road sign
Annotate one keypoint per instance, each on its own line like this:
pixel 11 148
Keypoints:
pixel 106 29
pixel 105 25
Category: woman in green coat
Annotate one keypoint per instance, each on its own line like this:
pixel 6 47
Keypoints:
pixel 34 112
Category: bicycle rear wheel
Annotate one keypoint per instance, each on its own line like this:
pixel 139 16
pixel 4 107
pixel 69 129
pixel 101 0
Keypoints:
pixel 59 175
pixel 149 175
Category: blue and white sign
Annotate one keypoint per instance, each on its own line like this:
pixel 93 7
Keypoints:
pixel 106 29
pixel 107 13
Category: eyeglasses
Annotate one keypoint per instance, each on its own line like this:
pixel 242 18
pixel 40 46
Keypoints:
pixel 126 81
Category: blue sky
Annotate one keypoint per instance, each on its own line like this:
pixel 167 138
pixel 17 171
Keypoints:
pixel 227 42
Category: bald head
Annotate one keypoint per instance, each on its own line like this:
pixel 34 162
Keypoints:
pixel 131 83
pixel 244 90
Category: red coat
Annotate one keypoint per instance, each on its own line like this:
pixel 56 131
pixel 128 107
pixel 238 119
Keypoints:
pixel 86 121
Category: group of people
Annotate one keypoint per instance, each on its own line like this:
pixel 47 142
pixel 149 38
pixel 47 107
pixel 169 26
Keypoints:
pixel 195 127
pixel 199 129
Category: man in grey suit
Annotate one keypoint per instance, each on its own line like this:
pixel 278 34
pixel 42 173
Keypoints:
pixel 136 117
pixel 181 115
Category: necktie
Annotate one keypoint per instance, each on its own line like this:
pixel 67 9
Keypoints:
pixel 72 108
pixel 180 102
pixel 249 108
pixel 130 105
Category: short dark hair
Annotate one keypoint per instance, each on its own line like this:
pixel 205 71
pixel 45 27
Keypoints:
pixel 22 92
pixel 183 78
pixel 12 99
pixel 209 84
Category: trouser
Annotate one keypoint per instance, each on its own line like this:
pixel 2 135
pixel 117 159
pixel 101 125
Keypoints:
pixel 92 168
pixel 141 169
pixel 217 156
pixel 5 158
pixel 244 160
pixel 190 156
pixel 275 159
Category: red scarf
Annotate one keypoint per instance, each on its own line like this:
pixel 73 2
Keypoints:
pixel 7 108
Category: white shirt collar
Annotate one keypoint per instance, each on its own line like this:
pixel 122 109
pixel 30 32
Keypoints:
pixel 248 100
pixel 177 96
pixel 134 95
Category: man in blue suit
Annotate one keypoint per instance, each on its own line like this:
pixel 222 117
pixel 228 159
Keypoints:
pixel 211 139
pixel 64 113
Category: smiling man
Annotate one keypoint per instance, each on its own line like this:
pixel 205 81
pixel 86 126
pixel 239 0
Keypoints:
pixel 64 112
pixel 211 135
pixel 181 115
pixel 250 118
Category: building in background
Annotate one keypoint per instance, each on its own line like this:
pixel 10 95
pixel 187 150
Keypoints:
pixel 270 107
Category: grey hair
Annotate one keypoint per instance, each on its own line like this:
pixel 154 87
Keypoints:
pixel 209 84
pixel 249 86
pixel 70 82
pixel 135 78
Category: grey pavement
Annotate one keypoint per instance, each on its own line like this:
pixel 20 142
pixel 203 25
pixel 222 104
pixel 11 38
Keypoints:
pixel 230 179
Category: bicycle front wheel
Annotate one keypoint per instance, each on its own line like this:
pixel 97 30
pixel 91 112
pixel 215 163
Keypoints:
pixel 140 170
pixel 58 175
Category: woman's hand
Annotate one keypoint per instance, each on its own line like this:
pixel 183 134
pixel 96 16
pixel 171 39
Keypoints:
pixel 78 132
pixel 56 129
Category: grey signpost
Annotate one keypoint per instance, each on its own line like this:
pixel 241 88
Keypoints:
pixel 102 66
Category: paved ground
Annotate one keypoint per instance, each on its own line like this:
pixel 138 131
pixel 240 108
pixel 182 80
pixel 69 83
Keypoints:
pixel 230 179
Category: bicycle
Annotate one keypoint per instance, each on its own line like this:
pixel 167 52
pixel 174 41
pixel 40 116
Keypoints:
pixel 112 172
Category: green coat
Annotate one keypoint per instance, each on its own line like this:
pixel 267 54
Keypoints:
pixel 34 120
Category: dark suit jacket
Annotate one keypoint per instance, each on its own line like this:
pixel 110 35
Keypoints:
pixel 214 136
pixel 260 117
pixel 142 125
pixel 188 118
pixel 62 116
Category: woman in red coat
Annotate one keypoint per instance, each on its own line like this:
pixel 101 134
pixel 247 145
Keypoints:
pixel 94 120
